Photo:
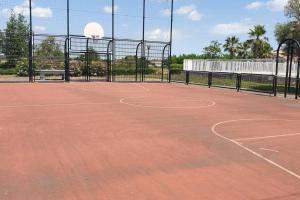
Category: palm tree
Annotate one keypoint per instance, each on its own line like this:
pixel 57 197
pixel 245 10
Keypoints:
pixel 258 39
pixel 213 50
pixel 231 46
pixel 266 50
pixel 244 50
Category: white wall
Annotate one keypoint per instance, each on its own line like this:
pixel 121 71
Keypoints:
pixel 239 66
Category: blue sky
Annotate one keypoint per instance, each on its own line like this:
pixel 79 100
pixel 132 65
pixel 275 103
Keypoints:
pixel 196 22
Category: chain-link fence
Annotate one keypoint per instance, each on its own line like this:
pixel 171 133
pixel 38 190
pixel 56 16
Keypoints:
pixel 56 49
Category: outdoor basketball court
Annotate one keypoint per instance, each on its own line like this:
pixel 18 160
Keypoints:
pixel 146 141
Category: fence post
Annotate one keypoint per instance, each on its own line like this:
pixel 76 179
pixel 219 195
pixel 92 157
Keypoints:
pixel 67 60
pixel 297 88
pixel 238 82
pixel 87 76
pixel 275 78
pixel 30 46
pixel 210 77
pixel 187 77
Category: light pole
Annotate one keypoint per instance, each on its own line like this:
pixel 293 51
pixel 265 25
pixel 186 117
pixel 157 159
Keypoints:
pixel 68 19
pixel 143 40
pixel 113 39
pixel 67 43
pixel 171 38
pixel 30 44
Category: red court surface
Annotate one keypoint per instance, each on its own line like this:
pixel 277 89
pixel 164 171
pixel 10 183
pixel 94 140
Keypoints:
pixel 120 141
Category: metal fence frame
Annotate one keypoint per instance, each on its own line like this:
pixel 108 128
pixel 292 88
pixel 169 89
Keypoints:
pixel 237 81
pixel 292 46
pixel 160 53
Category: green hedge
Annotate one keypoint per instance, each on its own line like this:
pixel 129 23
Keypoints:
pixel 176 68
pixel 8 71
pixel 130 70
pixel 21 69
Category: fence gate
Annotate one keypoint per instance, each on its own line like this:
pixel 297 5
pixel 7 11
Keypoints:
pixel 126 60
pixel 156 67
pixel 48 57
pixel 14 57
pixel 87 59
pixel 289 83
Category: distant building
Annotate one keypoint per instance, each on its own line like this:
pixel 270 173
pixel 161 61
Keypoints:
pixel 155 63
pixel 282 54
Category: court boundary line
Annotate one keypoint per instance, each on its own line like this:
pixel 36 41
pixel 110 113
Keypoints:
pixel 80 89
pixel 270 150
pixel 52 105
pixel 266 137
pixel 122 101
pixel 215 132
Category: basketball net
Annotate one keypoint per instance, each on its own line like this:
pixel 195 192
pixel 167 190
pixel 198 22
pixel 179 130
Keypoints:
pixel 94 37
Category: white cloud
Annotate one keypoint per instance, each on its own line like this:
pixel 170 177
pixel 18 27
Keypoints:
pixel 190 11
pixel 231 28
pixel 184 10
pixel 277 5
pixel 274 5
pixel 195 16
pixel 39 28
pixel 158 34
pixel 108 9
pixel 164 35
pixel 254 5
pixel 40 12
pixel 166 12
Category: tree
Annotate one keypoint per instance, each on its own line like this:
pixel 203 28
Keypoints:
pixel 1 41
pixel 15 42
pixel 93 56
pixel 213 50
pixel 231 46
pixel 292 10
pixel 48 53
pixel 290 29
pixel 259 41
pixel 95 63
pixel 244 50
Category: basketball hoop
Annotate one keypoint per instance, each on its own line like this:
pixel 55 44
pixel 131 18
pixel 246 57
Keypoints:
pixel 94 31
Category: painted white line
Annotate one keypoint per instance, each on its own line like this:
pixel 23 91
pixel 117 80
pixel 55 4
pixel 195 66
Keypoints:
pixel 271 150
pixel 214 131
pixel 51 105
pixel 123 101
pixel 143 87
pixel 266 137
pixel 82 89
